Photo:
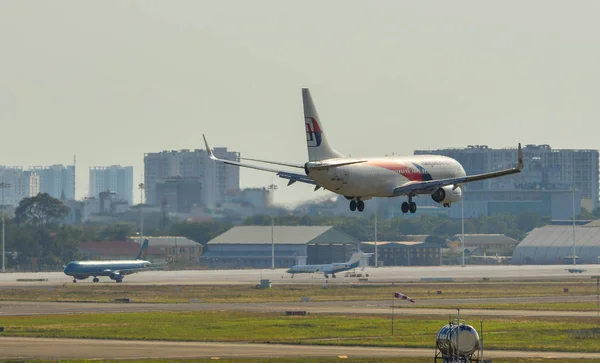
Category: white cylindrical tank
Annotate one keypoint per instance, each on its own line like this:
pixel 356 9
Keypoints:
pixel 452 338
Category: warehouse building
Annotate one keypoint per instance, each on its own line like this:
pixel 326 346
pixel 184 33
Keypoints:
pixel 487 243
pixel 250 246
pixel 553 244
pixel 413 252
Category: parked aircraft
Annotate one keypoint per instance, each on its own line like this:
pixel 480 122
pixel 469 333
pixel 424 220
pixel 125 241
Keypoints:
pixel 115 269
pixel 357 259
pixel 360 179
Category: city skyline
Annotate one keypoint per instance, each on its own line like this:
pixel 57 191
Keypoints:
pixel 387 77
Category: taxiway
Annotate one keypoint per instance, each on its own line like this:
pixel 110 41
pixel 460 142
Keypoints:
pixel 376 275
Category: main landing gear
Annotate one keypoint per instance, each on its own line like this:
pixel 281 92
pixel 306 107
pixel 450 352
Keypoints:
pixel 409 206
pixel 357 204
pixel 96 279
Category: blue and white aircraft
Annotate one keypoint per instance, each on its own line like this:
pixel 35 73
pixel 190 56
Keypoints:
pixel 115 269
pixel 357 259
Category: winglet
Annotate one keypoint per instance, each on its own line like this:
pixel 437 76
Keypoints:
pixel 210 154
pixel 520 158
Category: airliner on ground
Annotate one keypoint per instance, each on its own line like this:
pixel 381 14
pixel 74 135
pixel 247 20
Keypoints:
pixel 357 259
pixel 115 269
pixel 360 179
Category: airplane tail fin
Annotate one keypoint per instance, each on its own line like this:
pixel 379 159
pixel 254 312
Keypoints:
pixel 143 251
pixel 316 141
pixel 360 257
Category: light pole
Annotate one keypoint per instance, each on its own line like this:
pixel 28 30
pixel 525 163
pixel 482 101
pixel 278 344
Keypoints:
pixel 462 218
pixel 272 187
pixel 3 186
pixel 573 191
pixel 141 186
pixel 375 232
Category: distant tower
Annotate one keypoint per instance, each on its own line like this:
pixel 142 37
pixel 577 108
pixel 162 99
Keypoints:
pixel 74 177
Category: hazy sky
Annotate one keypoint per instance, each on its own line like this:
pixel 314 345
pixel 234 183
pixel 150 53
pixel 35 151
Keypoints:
pixel 111 80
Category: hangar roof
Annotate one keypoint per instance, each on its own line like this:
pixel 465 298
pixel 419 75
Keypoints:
pixel 551 243
pixel 297 235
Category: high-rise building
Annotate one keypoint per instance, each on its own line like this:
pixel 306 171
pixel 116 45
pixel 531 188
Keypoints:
pixel 216 178
pixel 545 169
pixel 57 180
pixel 23 184
pixel 114 178
pixel 179 195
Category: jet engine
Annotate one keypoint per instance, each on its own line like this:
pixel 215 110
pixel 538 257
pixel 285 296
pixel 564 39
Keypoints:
pixel 447 195
pixel 116 276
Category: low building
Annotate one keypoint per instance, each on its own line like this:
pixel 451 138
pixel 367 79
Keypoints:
pixel 403 253
pixel 251 246
pixel 553 244
pixel 487 243
pixel 175 249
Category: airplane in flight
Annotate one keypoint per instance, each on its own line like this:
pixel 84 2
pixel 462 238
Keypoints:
pixel 115 269
pixel 360 179
pixel 357 259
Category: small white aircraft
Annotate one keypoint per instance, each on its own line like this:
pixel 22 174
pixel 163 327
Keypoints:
pixel 360 179
pixel 357 259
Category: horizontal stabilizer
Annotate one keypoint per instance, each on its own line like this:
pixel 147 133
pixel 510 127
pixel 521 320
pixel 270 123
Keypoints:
pixel 292 177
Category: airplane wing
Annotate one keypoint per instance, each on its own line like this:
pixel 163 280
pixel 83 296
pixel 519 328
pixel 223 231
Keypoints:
pixel 327 270
pixel 292 177
pixel 132 270
pixel 432 185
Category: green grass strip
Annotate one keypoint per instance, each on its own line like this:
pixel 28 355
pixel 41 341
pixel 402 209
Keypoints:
pixel 550 334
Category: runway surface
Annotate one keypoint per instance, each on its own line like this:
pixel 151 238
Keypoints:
pixel 376 275
pixel 8 308
pixel 52 348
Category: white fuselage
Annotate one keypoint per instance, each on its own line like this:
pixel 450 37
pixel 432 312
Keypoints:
pixel 378 177
pixel 327 268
